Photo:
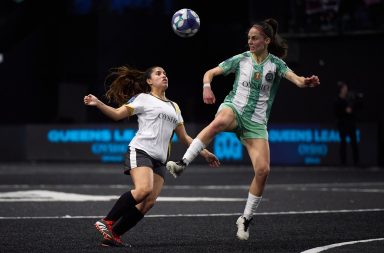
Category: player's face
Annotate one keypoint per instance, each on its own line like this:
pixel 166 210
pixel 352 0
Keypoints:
pixel 158 79
pixel 257 42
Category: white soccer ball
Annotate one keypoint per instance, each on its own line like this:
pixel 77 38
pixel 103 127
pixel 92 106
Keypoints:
pixel 185 23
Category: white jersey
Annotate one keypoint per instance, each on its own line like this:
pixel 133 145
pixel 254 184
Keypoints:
pixel 157 120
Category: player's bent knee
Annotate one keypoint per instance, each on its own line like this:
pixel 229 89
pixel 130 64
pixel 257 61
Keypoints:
pixel 217 127
pixel 143 192
pixel 262 171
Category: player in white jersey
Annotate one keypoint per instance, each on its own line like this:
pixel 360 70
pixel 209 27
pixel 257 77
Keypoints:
pixel 246 108
pixel 148 152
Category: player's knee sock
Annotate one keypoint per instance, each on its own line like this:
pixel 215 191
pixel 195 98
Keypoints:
pixel 124 203
pixel 251 205
pixel 193 150
pixel 127 221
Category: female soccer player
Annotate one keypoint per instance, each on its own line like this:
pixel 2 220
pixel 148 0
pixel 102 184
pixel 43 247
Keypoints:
pixel 246 108
pixel 158 118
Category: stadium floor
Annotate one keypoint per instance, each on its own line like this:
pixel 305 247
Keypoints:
pixel 52 208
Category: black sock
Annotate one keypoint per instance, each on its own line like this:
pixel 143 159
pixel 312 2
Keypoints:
pixel 127 221
pixel 122 205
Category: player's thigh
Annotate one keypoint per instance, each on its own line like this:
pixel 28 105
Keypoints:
pixel 258 150
pixel 225 119
pixel 142 177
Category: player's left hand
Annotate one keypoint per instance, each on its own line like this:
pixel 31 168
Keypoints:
pixel 312 81
pixel 212 160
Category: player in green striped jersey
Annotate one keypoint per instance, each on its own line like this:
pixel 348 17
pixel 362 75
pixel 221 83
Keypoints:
pixel 246 108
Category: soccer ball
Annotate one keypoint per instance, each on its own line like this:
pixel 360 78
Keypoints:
pixel 185 23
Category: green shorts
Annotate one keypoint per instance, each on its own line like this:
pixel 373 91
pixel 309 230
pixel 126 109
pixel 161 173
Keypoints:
pixel 246 128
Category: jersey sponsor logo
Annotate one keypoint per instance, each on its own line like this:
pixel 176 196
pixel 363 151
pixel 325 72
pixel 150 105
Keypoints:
pixel 246 84
pixel 265 88
pixel 168 118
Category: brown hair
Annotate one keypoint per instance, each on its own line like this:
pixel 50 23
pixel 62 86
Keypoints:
pixel 126 82
pixel 278 45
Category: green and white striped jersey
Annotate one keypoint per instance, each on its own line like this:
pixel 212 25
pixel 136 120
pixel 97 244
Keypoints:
pixel 255 85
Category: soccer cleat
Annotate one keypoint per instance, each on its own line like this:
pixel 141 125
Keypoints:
pixel 176 168
pixel 110 239
pixel 115 242
pixel 105 228
pixel 242 228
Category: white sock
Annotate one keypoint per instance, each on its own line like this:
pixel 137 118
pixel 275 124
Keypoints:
pixel 251 206
pixel 193 150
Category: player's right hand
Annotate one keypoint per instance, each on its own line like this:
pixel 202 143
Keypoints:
pixel 208 96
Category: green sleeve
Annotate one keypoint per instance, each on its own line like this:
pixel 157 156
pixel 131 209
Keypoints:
pixel 230 65
pixel 282 67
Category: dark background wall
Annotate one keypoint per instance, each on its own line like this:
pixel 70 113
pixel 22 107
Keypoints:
pixel 55 52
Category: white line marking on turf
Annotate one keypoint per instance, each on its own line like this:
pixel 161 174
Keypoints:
pixel 323 248
pixel 54 196
pixel 202 215
pixel 194 187
pixel 352 190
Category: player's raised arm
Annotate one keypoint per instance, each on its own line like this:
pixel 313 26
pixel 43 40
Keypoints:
pixel 302 81
pixel 114 113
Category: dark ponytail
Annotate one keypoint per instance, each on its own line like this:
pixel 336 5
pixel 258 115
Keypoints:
pixel 278 45
pixel 126 82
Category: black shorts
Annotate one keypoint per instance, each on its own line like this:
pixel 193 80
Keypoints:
pixel 138 158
